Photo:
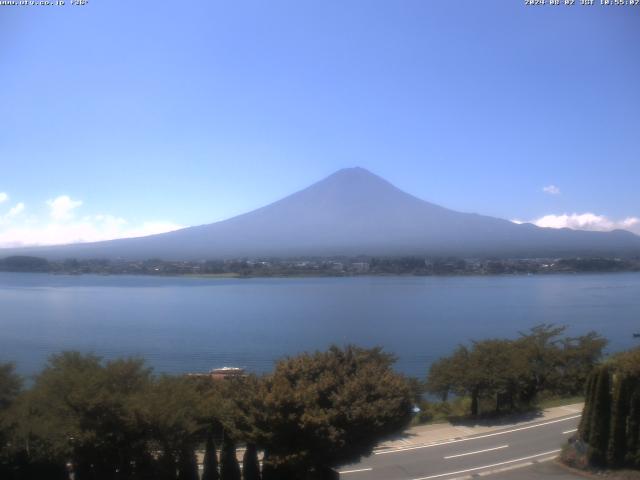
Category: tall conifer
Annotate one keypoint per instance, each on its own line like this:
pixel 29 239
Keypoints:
pixel 229 466
pixel 632 457
pixel 210 463
pixel 600 420
pixel 250 464
pixel 585 422
pixel 619 413
pixel 187 464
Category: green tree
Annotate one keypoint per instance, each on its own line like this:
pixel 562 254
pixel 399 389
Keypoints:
pixel 540 346
pixel 174 411
pixel 187 464
pixel 210 463
pixel 619 414
pixel 492 369
pixel 10 387
pixel 577 359
pixel 589 395
pixel 167 466
pixel 600 420
pixel 446 374
pixel 495 371
pixel 512 373
pixel 250 464
pixel 79 408
pixel 229 467
pixel 610 424
pixel 632 454
pixel 329 408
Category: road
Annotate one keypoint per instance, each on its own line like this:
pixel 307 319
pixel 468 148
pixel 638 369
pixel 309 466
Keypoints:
pixel 468 456
pixel 538 471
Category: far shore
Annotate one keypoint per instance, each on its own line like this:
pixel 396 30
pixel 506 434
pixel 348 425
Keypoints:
pixel 223 276
pixel 324 267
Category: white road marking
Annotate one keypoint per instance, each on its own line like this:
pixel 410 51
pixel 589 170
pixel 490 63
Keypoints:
pixel 487 466
pixel 477 451
pixel 570 431
pixel 513 466
pixel 355 471
pixel 437 444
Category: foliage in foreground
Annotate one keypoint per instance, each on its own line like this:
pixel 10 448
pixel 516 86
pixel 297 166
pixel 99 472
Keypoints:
pixel 512 374
pixel 329 408
pixel 609 431
pixel 116 420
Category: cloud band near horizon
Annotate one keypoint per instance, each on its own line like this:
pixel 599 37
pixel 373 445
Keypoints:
pixel 62 225
pixel 586 221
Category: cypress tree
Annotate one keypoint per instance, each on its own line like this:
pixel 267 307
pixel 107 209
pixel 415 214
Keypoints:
pixel 210 471
pixel 229 467
pixel 619 412
pixel 268 470
pixel 250 465
pixel 187 464
pixel 474 402
pixel 145 468
pixel 83 470
pixel 600 420
pixel 632 457
pixel 585 420
pixel 167 466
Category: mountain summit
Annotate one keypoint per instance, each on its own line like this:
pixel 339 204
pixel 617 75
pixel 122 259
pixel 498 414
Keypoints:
pixel 354 212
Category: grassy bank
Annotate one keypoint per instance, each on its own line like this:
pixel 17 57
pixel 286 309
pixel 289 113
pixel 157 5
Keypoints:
pixel 457 409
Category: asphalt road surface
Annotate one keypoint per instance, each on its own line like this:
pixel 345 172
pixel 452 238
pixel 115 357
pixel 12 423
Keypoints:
pixel 482 454
pixel 539 471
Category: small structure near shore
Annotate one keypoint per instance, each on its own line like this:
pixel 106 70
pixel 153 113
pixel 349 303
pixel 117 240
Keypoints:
pixel 223 373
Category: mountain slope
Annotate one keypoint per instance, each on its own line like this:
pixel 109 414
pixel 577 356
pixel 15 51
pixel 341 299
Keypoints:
pixel 354 212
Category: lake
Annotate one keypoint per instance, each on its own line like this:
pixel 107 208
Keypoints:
pixel 194 324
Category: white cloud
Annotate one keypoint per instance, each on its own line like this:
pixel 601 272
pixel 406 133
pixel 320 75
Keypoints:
pixel 3 197
pixel 151 228
pixel 62 207
pixel 85 230
pixel 61 226
pixel 15 211
pixel 551 190
pixel 586 221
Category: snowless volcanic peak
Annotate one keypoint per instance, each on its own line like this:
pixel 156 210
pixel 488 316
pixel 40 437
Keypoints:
pixel 353 212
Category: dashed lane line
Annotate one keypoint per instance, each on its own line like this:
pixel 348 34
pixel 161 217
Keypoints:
pixel 474 469
pixel 477 451
pixel 355 471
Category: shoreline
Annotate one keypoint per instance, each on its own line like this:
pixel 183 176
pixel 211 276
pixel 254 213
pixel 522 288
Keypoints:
pixel 231 275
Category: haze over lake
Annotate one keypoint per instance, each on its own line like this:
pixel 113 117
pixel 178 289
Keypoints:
pixel 193 324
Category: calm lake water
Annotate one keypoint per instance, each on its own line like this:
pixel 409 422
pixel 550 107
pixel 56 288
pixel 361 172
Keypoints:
pixel 193 324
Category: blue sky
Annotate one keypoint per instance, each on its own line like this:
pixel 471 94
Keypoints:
pixel 124 118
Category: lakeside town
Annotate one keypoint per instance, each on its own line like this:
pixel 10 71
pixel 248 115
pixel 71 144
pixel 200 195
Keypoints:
pixel 338 266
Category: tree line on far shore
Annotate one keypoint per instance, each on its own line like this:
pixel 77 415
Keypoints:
pixel 341 265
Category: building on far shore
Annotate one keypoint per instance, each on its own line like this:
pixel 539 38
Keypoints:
pixel 360 267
